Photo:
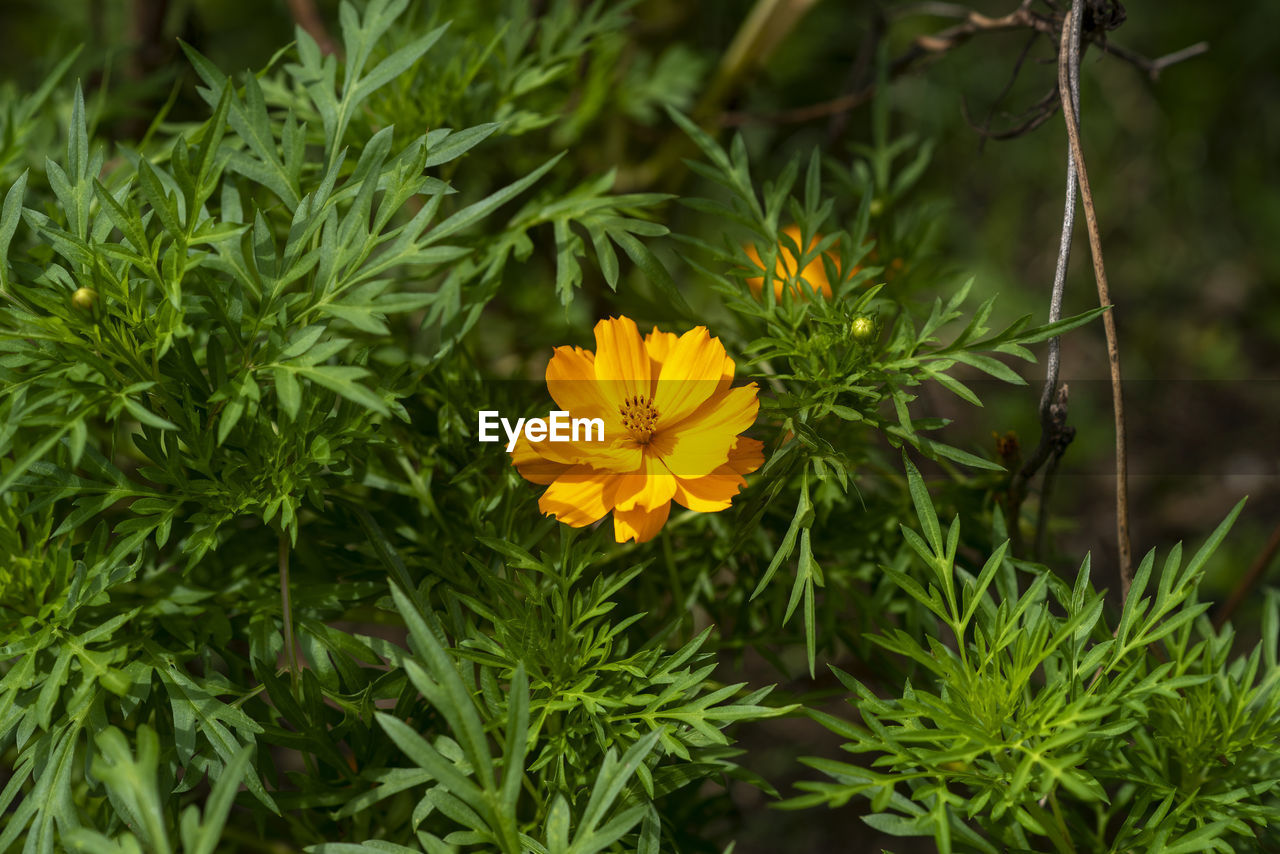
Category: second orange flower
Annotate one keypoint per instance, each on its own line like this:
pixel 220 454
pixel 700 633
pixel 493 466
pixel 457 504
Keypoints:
pixel 814 273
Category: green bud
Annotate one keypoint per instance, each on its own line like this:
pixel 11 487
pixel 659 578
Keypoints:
pixel 862 328
pixel 85 299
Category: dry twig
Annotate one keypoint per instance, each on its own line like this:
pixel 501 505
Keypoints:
pixel 1153 67
pixel 1070 37
pixel 985 128
pixel 976 24
pixel 1055 435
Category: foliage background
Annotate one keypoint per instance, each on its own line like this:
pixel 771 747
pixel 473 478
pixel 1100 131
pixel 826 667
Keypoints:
pixel 1184 171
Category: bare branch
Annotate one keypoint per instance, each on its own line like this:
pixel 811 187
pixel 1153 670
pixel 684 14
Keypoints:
pixel 1064 436
pixel 935 44
pixel 974 24
pixel 1043 110
pixel 1070 104
pixel 1153 67
pixel 1055 435
pixel 1039 114
pixel 977 24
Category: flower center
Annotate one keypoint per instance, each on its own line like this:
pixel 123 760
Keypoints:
pixel 639 417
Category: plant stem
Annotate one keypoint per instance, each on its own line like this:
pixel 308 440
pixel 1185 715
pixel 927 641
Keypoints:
pixel 1054 434
pixel 1042 515
pixel 286 609
pixel 1070 39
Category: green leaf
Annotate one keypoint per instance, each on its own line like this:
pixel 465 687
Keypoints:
pixel 218 806
pixel 288 391
pixel 924 507
pixel 34 455
pixel 613 775
pixel 475 212
pixel 395 65
pixel 133 783
pixel 654 271
pixel 146 416
pixel 454 145
pixel 10 214
pixel 445 684
pixel 1198 839
pixel 342 380
pixel 421 752
pixel 900 825
pixel 390 781
pixel 517 744
pixel 1049 330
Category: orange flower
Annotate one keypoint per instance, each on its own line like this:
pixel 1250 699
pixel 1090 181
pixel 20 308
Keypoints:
pixel 814 272
pixel 671 425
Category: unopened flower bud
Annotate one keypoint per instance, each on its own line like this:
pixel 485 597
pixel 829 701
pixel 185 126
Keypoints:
pixel 862 328
pixel 85 299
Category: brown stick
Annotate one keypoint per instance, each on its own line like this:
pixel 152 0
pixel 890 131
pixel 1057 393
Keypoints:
pixel 306 15
pixel 1250 580
pixel 938 43
pixel 1153 67
pixel 1055 435
pixel 1070 30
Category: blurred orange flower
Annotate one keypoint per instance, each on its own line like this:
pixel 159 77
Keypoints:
pixel 814 272
pixel 671 430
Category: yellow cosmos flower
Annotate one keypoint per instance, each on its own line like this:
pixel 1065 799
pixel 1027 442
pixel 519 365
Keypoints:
pixel 671 430
pixel 814 272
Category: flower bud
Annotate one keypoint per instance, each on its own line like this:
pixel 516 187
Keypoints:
pixel 862 328
pixel 85 299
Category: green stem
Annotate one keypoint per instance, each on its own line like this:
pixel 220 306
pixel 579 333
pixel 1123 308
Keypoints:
pixel 673 576
pixel 286 609
pixel 1052 828
pixel 1057 817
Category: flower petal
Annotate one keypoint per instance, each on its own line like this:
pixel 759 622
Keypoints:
pixel 640 525
pixel 659 345
pixel 533 466
pixel 690 375
pixel 710 493
pixel 571 379
pixel 747 455
pixel 702 441
pixel 726 376
pixel 648 487
pixel 714 492
pixel 577 497
pixel 622 362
